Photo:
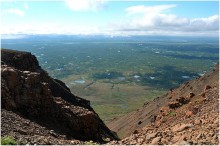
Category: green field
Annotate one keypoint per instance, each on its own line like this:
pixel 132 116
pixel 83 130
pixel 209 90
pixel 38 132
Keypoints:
pixel 119 74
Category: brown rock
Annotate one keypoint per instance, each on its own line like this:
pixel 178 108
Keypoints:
pixel 214 139
pixel 155 141
pixel 199 136
pixel 178 138
pixel 140 140
pixel 216 121
pixel 182 143
pixel 193 109
pixel 164 141
pixel 150 136
pixel 197 122
pixel 182 127
pixel 164 110
pixel 133 142
pixel 189 113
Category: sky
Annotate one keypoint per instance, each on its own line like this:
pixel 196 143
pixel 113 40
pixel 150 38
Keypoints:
pixel 110 17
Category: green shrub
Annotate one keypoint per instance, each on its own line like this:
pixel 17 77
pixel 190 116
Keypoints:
pixel 8 140
pixel 90 143
pixel 172 113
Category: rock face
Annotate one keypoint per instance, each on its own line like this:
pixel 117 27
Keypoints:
pixel 27 90
pixel 186 115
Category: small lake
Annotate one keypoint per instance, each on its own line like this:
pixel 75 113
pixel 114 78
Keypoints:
pixel 79 81
pixel 185 77
pixel 136 76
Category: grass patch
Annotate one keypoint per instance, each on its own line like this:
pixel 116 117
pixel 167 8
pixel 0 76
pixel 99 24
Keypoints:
pixel 172 113
pixel 8 140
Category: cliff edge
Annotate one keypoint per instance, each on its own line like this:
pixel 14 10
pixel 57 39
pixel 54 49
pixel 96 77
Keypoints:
pixel 38 109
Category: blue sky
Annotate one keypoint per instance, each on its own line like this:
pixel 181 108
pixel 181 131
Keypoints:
pixel 110 17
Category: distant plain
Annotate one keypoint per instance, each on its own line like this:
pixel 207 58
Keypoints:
pixel 119 74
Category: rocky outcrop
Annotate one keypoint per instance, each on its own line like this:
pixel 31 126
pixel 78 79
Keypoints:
pixel 27 90
pixel 185 115
pixel 20 60
pixel 180 128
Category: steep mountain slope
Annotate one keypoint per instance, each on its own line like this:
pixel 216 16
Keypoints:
pixel 175 105
pixel 32 98
pixel 196 122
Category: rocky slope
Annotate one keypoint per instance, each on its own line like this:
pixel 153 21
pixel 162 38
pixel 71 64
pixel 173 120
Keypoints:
pixel 186 115
pixel 38 109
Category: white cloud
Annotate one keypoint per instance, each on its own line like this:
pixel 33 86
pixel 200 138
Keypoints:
pixel 207 24
pixel 171 20
pixel 85 5
pixel 15 11
pixel 148 9
pixel 154 16
pixel 159 20
pixel 151 17
pixel 152 20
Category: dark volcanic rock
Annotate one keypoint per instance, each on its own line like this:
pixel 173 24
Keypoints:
pixel 20 60
pixel 28 91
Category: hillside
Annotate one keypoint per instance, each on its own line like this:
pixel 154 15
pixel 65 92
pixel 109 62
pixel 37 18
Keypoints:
pixel 185 115
pixel 37 109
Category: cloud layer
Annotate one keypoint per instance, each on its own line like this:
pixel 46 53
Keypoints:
pixel 155 20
